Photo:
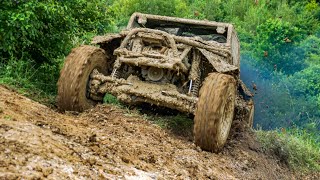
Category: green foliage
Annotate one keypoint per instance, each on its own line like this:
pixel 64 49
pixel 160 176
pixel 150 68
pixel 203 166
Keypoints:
pixel 90 16
pixel 295 147
pixel 204 9
pixel 121 10
pixel 31 79
pixel 32 30
pixel 306 82
pixel 311 46
pixel 281 100
pixel 42 30
pixel 305 85
pixel 275 45
pixel 312 5
pixel 36 34
pixel 110 99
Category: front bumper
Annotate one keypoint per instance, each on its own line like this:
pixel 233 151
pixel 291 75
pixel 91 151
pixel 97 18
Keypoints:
pixel 135 91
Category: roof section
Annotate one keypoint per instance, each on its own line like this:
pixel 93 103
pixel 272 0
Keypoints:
pixel 174 21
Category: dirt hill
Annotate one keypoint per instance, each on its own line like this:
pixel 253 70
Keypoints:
pixel 109 143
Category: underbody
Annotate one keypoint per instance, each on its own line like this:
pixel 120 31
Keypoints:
pixel 133 91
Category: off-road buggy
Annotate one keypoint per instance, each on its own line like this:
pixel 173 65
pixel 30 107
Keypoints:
pixel 183 64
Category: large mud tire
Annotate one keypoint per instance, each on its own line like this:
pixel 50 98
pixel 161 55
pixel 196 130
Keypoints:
pixel 214 112
pixel 74 77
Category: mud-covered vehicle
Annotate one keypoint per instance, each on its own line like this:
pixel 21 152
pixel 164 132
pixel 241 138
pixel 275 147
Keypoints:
pixel 183 64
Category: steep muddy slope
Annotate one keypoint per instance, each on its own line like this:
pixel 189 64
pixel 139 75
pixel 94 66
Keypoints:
pixel 109 143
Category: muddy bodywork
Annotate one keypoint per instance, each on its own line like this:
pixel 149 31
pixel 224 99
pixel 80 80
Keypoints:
pixel 164 60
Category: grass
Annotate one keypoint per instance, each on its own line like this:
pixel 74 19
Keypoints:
pixel 35 82
pixel 297 148
pixel 110 99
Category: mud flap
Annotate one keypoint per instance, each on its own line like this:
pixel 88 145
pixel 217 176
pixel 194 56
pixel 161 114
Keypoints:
pixel 244 91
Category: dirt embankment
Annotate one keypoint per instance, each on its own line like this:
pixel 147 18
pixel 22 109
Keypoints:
pixel 109 143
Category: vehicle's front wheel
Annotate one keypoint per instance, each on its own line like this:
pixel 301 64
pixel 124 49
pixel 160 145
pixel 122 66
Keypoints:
pixel 214 112
pixel 74 77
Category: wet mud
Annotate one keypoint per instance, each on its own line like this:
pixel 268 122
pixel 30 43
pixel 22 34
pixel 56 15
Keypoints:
pixel 107 142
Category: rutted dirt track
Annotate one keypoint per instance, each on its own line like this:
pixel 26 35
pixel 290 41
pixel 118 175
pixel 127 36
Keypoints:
pixel 108 143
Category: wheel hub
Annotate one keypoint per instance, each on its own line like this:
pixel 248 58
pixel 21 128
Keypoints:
pixel 155 74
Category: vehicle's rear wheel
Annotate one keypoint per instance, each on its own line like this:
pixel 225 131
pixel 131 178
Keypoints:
pixel 74 77
pixel 214 112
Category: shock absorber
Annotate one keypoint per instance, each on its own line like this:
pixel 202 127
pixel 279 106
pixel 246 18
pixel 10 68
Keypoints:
pixel 115 73
pixel 195 74
pixel 195 86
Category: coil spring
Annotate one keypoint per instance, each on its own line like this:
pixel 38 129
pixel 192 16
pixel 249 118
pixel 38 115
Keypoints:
pixel 195 87
pixel 115 73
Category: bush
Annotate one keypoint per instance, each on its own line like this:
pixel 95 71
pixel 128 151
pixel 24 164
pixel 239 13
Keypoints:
pixel 296 148
pixel 311 45
pixel 32 30
pixel 36 34
pixel 306 82
pixel 31 79
pixel 281 100
pixel 42 30
pixel 276 46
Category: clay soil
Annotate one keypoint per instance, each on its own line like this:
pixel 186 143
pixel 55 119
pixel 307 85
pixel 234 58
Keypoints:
pixel 108 142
